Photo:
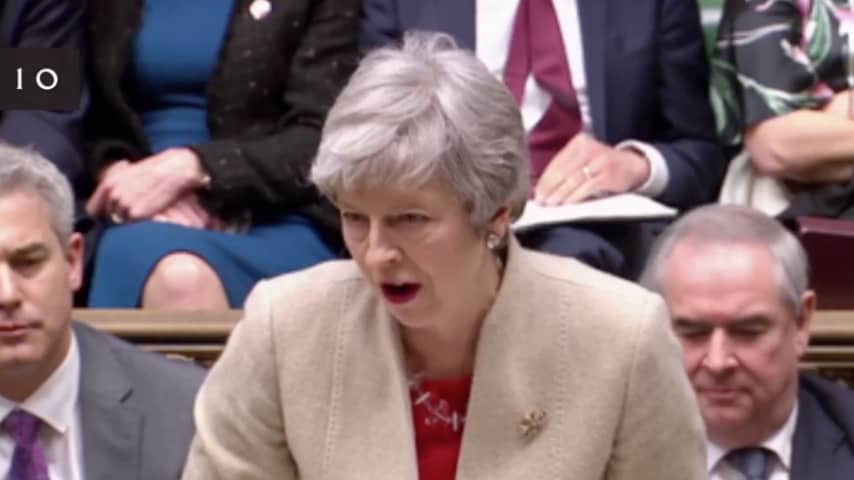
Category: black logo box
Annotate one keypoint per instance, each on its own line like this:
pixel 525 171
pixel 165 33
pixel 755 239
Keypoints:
pixel 40 79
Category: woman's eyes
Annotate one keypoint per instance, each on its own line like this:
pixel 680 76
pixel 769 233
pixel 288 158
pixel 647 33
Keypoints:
pixel 405 218
pixel 351 217
pixel 413 218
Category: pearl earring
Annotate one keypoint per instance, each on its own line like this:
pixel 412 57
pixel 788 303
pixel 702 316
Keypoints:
pixel 493 241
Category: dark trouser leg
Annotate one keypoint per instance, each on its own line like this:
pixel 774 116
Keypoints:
pixel 619 248
pixel 576 242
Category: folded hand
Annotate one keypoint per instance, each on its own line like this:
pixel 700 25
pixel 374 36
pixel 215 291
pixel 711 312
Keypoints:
pixel 140 190
pixel 586 168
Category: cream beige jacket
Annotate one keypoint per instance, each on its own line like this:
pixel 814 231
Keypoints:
pixel 312 384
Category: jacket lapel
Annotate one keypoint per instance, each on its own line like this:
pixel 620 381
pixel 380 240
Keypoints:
pixel 118 22
pixel 511 382
pixel 111 440
pixel 370 426
pixel 816 443
pixel 112 431
pixel 592 15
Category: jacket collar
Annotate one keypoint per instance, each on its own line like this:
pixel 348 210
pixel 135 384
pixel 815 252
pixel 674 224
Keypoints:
pixel 373 389
pixel 112 429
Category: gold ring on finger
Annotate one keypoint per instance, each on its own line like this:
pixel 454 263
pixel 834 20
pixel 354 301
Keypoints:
pixel 588 173
pixel 117 217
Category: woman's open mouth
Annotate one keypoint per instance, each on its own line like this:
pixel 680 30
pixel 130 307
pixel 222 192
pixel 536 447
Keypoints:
pixel 400 293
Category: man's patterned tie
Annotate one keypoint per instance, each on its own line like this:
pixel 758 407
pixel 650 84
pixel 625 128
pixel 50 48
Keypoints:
pixel 28 460
pixel 752 462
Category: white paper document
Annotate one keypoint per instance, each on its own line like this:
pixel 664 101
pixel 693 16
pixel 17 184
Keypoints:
pixel 626 206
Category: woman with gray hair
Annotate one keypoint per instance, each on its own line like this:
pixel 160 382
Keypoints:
pixel 443 349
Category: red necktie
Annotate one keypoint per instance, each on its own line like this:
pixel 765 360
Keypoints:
pixel 536 47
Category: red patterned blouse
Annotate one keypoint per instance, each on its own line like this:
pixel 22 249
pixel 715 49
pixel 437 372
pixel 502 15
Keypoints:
pixel 438 413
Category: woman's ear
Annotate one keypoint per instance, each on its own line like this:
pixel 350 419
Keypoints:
pixel 500 222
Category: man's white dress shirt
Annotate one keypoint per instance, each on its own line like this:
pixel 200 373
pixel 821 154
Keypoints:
pixel 494 27
pixel 781 461
pixel 56 404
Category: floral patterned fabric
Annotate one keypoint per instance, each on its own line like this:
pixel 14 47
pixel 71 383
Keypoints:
pixel 776 56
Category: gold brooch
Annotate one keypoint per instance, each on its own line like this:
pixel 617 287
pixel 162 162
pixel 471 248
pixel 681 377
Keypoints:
pixel 532 424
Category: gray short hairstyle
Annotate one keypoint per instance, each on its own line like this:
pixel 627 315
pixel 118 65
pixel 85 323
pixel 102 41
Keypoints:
pixel 733 224
pixel 24 169
pixel 425 110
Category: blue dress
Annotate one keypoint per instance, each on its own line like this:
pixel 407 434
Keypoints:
pixel 171 64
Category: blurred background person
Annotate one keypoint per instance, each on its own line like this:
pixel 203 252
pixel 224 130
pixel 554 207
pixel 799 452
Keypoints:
pixel 614 96
pixel 201 138
pixel 443 349
pixel 736 284
pixel 782 81
pixel 74 403
pixel 54 134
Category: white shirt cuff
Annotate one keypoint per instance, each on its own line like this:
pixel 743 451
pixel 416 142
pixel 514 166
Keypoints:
pixel 658 173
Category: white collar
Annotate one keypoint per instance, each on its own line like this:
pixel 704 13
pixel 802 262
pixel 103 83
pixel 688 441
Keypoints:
pixel 50 402
pixel 780 443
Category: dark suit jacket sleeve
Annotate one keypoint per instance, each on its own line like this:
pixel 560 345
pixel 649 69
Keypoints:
pixel 272 170
pixel 687 139
pixel 380 25
pixel 49 23
pixel 106 135
pixel 823 443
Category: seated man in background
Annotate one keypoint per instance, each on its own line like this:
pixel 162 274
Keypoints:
pixel 736 284
pixel 614 97
pixel 74 403
pixel 54 134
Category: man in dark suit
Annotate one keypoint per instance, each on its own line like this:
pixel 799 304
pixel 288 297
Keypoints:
pixel 632 115
pixel 736 284
pixel 54 134
pixel 74 403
